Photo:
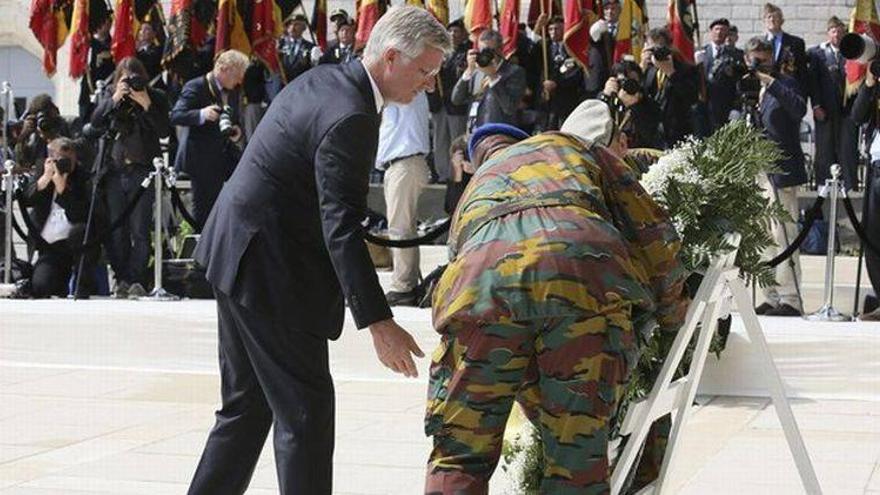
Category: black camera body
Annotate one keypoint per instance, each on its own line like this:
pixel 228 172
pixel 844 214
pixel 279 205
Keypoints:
pixel 630 86
pixel 135 82
pixel 64 165
pixel 485 57
pixel 46 122
pixel 661 53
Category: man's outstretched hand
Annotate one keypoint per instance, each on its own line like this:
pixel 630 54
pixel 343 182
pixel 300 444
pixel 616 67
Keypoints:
pixel 395 347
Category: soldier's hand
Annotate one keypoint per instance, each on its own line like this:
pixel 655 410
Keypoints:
pixel 549 86
pixel 395 347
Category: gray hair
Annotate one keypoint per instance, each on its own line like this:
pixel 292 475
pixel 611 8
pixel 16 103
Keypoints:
pixel 409 30
pixel 493 37
pixel 233 60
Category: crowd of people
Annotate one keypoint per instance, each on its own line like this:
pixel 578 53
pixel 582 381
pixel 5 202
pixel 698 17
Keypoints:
pixel 657 101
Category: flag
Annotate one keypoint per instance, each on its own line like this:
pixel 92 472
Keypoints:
pixel 551 7
pixel 578 17
pixel 863 20
pixel 124 31
pixel 631 27
pixel 287 7
pixel 477 17
pixel 231 33
pixel 80 39
pixel 368 14
pixel 266 27
pixel 416 3
pixel 508 26
pixel 319 23
pixel 150 12
pixel 440 9
pixel 680 22
pixel 186 31
pixel 50 23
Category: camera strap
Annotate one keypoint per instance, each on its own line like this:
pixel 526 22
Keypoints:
pixel 218 98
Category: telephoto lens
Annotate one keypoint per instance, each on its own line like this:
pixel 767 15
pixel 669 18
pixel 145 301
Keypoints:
pixel 225 121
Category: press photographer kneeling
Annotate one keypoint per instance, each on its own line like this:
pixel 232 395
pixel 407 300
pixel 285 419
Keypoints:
pixel 58 199
pixel 138 114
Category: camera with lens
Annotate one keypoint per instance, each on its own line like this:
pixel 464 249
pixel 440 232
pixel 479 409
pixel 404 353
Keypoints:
pixel 728 66
pixel 748 87
pixel 227 128
pixel 136 82
pixel 629 86
pixel 485 57
pixel 863 49
pixel 46 122
pixel 661 53
pixel 64 165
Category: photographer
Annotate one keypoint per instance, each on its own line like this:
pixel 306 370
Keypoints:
pixel 41 123
pixel 58 199
pixel 211 142
pixel 865 111
pixel 492 86
pixel 637 117
pixel 723 65
pixel 672 83
pixel 139 114
pixel 779 108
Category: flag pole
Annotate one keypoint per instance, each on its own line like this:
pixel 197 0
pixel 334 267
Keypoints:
pixel 697 24
pixel 545 93
pixel 308 22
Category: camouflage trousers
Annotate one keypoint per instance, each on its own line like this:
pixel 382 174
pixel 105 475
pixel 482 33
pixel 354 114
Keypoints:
pixel 571 370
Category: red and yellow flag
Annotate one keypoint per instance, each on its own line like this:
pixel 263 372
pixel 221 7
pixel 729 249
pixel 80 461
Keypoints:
pixel 266 27
pixel 508 26
pixel 477 17
pixel 680 22
pixel 440 9
pixel 631 28
pixel 80 39
pixel 50 23
pixel 578 16
pixel 231 33
pixel 537 7
pixel 368 14
pixel 319 23
pixel 863 20
pixel 124 31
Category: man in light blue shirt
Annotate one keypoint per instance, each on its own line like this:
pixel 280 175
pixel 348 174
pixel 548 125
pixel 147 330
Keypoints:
pixel 403 145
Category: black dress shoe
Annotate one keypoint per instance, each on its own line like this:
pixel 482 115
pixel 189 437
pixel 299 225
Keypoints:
pixel 763 308
pixel 784 310
pixel 410 298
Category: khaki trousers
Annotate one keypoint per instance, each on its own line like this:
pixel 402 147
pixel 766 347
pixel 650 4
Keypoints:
pixel 404 181
pixel 784 233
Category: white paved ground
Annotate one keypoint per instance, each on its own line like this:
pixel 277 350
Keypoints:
pixel 116 397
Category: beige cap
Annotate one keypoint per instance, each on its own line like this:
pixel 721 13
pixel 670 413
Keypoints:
pixel 592 122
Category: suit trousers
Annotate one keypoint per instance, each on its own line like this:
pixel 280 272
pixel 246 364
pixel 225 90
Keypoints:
pixel 837 141
pixel 446 129
pixel 270 375
pixel 788 273
pixel 404 181
pixel 130 245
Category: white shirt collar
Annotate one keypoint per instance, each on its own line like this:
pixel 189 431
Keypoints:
pixel 380 101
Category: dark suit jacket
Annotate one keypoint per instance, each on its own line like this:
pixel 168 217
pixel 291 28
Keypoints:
pixel 566 73
pixel 285 235
pixel 203 151
pixel 675 98
pixel 295 61
pixel 792 60
pixel 451 70
pixel 498 103
pixel 782 108
pixel 601 54
pixel 720 86
pixel 827 80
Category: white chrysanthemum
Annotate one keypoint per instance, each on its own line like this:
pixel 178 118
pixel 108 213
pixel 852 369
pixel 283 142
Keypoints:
pixel 676 164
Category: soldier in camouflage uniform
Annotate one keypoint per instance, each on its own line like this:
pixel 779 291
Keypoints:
pixel 561 265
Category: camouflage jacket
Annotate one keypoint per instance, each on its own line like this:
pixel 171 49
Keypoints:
pixel 550 227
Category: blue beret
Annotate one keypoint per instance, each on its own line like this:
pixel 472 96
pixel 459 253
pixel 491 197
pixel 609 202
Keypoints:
pixel 487 130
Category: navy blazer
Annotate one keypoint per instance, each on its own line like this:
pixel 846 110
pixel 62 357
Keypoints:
pixel 203 150
pixel 285 235
pixel 793 58
pixel 827 80
pixel 782 108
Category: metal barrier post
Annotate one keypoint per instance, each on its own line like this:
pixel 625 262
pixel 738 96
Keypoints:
pixel 158 293
pixel 8 185
pixel 827 311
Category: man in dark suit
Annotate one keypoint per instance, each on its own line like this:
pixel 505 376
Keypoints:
pixel 294 50
pixel 449 120
pixel 780 109
pixel 343 51
pixel 672 83
pixel 494 90
pixel 564 88
pixel 603 39
pixel 285 244
pixel 837 134
pixel 207 153
pixel 789 51
pixel 718 61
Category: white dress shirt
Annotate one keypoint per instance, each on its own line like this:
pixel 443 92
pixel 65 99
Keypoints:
pixel 404 131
